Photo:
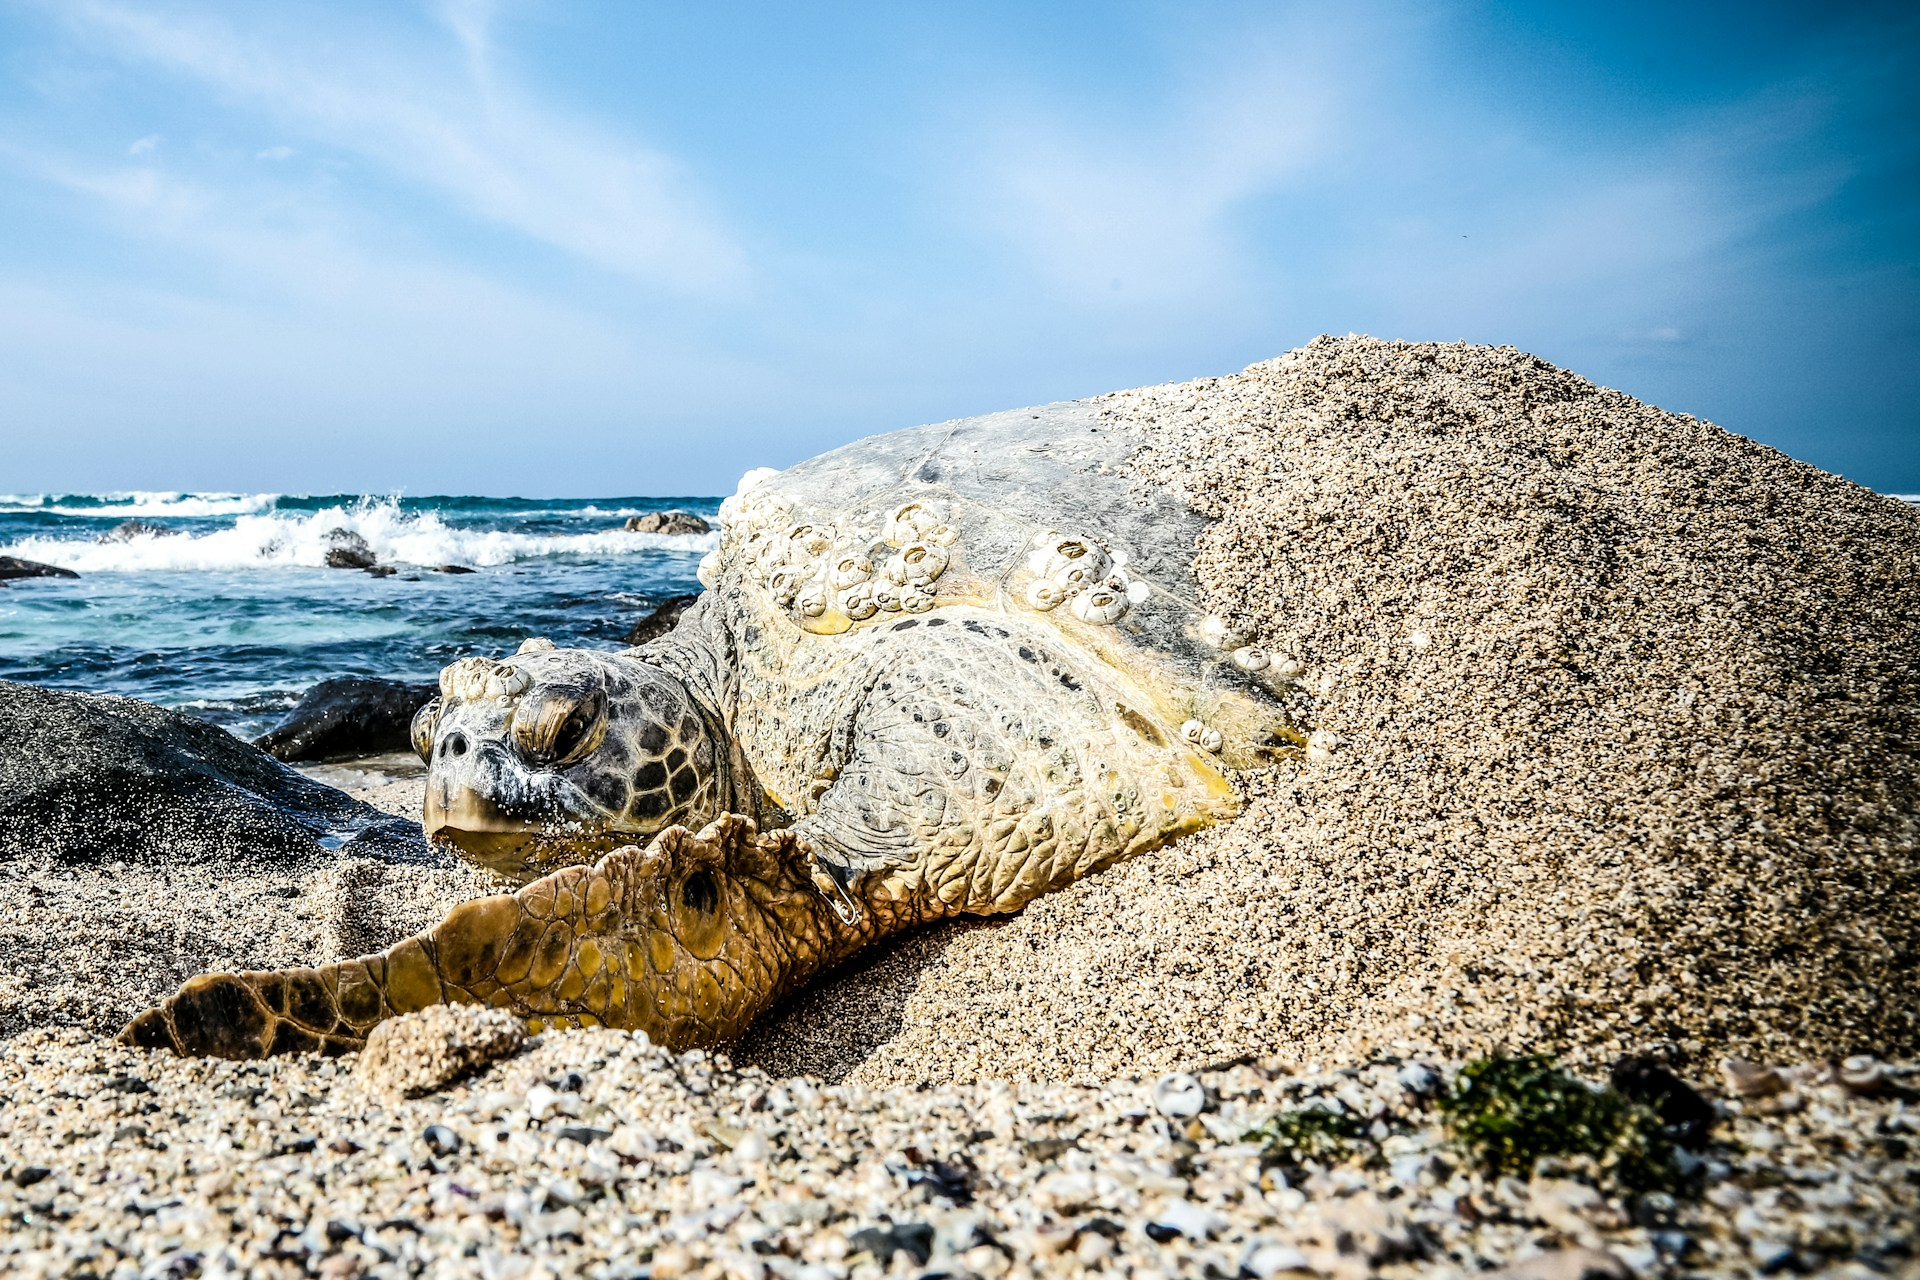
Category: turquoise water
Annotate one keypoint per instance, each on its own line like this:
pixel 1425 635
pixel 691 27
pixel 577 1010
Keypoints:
pixel 233 613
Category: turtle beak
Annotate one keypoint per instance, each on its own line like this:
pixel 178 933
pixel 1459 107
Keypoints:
pixel 478 827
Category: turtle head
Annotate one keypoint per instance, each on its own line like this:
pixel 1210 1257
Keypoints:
pixel 556 756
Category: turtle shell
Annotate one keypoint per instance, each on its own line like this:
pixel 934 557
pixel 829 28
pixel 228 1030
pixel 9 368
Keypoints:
pixel 1031 513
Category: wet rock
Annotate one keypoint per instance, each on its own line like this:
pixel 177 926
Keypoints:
pixel 452 568
pixel 15 567
pixel 441 1140
pixel 347 716
pixel 88 778
pixel 128 530
pixel 667 522
pixel 348 550
pixel 660 621
pixel 1687 1117
pixel 382 570
pixel 422 1052
pixel 915 1239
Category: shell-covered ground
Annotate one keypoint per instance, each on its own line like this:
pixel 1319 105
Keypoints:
pixel 1625 716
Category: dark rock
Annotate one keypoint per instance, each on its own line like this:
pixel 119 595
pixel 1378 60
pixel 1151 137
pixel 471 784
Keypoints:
pixel 915 1239
pixel 87 778
pixel 1687 1117
pixel 660 621
pixel 667 522
pixel 348 550
pixel 452 568
pixel 128 530
pixel 584 1135
pixel 382 570
pixel 15 567
pixel 347 716
pixel 27 1175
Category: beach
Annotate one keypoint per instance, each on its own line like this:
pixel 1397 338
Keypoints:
pixel 1614 754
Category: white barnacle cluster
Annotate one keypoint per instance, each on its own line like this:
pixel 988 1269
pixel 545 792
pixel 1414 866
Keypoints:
pixel 1079 573
pixel 1245 654
pixel 817 571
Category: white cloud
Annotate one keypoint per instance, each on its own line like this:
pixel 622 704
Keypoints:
pixel 463 131
pixel 274 153
pixel 142 146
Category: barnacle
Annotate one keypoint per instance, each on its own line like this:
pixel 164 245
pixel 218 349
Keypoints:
pixel 1201 736
pixel 806 541
pixel 1252 658
pixel 784 582
pixel 812 600
pixel 506 681
pixel 1221 634
pixel 918 562
pixel 858 601
pixel 915 599
pixel 535 644
pixel 887 596
pixel 1054 556
pixel 1044 595
pixel 848 569
pixel 910 522
pixel 1101 604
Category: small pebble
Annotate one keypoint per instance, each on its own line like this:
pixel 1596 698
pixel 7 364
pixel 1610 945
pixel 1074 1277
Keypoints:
pixel 1180 1096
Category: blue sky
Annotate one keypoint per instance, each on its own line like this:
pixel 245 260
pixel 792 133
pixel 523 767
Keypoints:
pixel 638 247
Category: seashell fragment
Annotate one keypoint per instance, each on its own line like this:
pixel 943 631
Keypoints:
pixel 1861 1075
pixel 1101 604
pixel 1044 595
pixel 1751 1079
pixel 918 562
pixel 1252 658
pixel 848 569
pixel 1320 745
pixel 535 644
pixel 1180 1096
pixel 858 601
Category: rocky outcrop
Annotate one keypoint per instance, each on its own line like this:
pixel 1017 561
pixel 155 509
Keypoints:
pixel 667 522
pixel 347 716
pixel 15 567
pixel 128 530
pixel 348 550
pixel 94 780
pixel 660 621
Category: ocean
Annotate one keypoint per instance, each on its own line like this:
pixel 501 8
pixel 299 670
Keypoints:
pixel 231 613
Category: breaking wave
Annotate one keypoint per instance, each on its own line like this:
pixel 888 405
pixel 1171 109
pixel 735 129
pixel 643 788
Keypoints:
pixel 275 539
pixel 138 503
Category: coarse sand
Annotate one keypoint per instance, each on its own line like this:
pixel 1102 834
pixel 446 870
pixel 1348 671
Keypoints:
pixel 1622 711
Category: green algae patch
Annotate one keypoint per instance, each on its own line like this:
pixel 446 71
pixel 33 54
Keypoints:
pixel 1510 1113
pixel 1305 1135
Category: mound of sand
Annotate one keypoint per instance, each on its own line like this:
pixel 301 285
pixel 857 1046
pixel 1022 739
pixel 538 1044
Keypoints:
pixel 1625 712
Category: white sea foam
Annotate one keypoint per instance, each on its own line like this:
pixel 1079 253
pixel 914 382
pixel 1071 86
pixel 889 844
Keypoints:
pixel 298 539
pixel 131 503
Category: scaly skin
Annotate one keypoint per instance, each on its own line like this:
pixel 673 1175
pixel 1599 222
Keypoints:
pixel 688 940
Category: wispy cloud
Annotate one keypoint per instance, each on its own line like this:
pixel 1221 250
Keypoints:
pixel 456 127
pixel 142 146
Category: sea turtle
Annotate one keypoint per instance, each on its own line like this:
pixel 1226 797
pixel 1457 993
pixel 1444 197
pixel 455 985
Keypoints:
pixel 934 672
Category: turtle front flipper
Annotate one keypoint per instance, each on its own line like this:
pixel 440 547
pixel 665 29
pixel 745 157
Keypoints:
pixel 688 940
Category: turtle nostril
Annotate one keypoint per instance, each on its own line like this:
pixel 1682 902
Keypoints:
pixel 455 745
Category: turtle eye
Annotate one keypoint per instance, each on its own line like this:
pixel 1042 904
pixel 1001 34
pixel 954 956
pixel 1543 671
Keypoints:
pixel 555 727
pixel 424 721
